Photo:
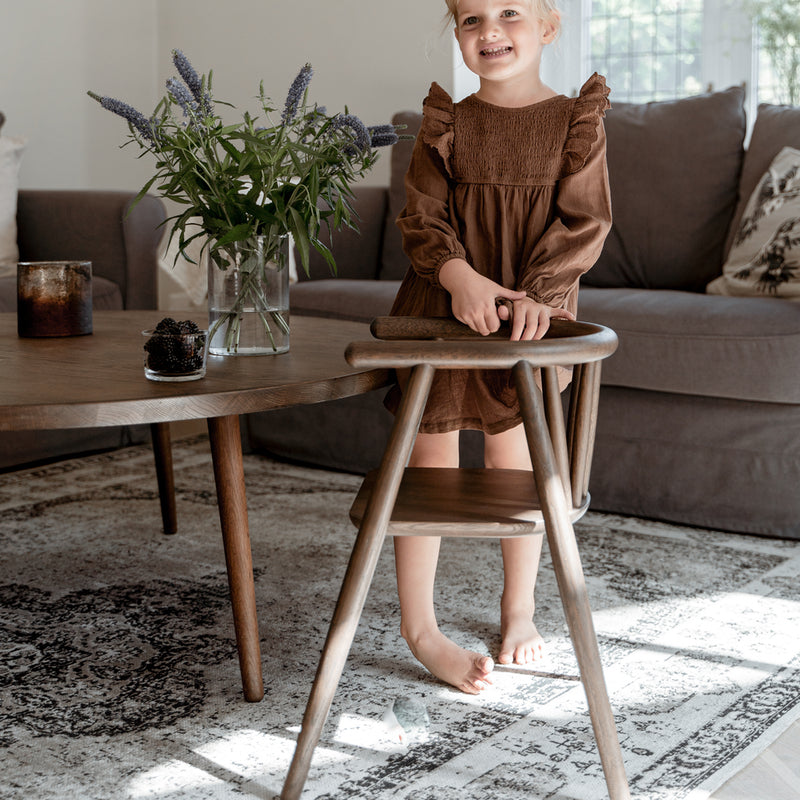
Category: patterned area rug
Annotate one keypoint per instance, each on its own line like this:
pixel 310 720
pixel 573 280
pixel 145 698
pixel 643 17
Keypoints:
pixel 119 676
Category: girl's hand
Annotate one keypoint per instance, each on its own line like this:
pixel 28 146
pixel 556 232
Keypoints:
pixel 530 320
pixel 473 296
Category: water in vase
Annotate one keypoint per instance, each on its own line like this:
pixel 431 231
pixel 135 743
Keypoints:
pixel 249 332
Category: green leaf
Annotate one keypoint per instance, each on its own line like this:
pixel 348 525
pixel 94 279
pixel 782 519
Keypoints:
pixel 327 255
pixel 236 234
pixel 230 150
pixel 142 192
pixel 299 231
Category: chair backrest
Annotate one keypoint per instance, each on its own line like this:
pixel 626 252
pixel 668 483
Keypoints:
pixel 446 343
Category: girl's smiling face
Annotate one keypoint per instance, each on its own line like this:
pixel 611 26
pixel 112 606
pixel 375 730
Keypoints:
pixel 502 40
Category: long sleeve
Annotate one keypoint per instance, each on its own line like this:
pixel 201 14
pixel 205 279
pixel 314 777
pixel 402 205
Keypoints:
pixel 428 231
pixel 572 243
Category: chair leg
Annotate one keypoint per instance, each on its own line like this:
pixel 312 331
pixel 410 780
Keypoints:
pixel 592 388
pixel 571 583
pixel 358 577
pixel 554 413
pixel 162 453
pixel 574 437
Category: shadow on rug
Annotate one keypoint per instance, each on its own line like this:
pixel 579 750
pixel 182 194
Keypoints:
pixel 120 679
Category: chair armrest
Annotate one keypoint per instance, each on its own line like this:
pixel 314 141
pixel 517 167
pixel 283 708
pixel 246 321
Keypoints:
pixel 97 226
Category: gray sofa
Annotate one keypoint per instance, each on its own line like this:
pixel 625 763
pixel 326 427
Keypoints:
pixel 123 247
pixel 700 406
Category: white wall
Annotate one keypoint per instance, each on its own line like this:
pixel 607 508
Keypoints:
pixel 51 52
pixel 376 57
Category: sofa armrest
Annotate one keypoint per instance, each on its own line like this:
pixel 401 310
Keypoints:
pixel 357 253
pixel 97 226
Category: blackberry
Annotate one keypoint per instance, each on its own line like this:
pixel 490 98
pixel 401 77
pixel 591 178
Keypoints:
pixel 174 347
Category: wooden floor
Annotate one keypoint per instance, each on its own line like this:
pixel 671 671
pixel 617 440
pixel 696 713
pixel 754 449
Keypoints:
pixel 774 775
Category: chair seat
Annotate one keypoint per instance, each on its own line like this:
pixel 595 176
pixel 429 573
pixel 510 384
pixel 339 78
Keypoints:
pixel 462 502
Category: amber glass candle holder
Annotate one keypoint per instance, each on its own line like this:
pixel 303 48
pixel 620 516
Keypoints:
pixel 54 298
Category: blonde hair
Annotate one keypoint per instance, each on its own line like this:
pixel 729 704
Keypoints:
pixel 545 10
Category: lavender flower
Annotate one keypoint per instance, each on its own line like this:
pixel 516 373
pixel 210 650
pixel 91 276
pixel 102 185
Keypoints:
pixel 192 81
pixel 135 118
pixel 360 133
pixel 296 92
pixel 279 177
pixel 383 135
pixel 183 97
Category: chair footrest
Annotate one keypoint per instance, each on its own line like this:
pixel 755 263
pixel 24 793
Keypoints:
pixel 462 502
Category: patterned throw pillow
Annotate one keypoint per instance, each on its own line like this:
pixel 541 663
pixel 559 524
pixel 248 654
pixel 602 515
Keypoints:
pixel 764 259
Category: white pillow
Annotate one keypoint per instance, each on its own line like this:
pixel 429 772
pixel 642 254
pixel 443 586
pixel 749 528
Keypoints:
pixel 764 260
pixel 11 149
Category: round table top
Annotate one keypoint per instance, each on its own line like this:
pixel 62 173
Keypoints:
pixel 98 379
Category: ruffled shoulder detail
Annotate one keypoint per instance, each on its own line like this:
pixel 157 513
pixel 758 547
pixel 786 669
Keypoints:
pixel 589 108
pixel 438 123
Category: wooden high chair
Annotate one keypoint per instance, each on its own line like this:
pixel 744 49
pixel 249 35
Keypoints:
pixel 497 503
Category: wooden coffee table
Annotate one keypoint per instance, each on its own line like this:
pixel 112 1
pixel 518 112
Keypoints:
pixel 98 380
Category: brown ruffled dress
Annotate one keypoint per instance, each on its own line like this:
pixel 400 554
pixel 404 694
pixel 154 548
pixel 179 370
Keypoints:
pixel 521 194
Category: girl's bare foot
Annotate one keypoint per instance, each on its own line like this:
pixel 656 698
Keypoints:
pixel 521 642
pixel 466 670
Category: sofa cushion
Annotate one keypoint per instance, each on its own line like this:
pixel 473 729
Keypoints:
pixel 674 173
pixel 720 464
pixel 764 259
pixel 741 348
pixel 775 127
pixel 358 300
pixel 8 293
pixel 11 150
pixel 357 252
pixel 106 295
pixel 394 262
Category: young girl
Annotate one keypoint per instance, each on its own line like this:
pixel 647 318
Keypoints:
pixel 506 198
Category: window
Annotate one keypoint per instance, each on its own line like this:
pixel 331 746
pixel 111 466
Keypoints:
pixel 768 89
pixel 665 49
pixel 648 49
pixel 777 41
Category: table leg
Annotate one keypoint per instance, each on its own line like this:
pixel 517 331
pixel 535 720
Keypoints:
pixel 162 453
pixel 226 451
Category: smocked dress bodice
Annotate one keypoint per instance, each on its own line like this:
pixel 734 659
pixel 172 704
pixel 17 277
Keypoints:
pixel 522 195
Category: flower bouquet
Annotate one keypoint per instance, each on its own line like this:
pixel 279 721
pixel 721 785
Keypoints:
pixel 247 187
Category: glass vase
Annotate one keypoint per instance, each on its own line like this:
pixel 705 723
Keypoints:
pixel 248 298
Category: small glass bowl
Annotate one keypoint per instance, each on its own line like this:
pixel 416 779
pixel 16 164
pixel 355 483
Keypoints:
pixel 175 356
